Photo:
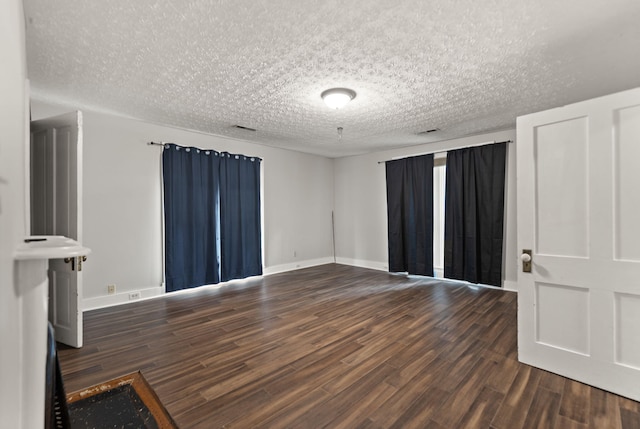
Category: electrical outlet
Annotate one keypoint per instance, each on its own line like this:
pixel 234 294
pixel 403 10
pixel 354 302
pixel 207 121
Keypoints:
pixel 134 295
pixel 111 289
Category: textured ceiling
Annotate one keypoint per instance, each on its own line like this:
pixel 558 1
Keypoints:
pixel 463 66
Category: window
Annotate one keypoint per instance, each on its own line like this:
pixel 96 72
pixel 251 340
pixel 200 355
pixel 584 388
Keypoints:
pixel 439 177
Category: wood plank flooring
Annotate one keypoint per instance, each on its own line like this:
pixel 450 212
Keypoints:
pixel 338 347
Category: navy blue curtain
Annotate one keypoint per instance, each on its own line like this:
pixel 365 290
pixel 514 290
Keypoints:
pixel 240 217
pixel 474 214
pixel 410 214
pixel 205 229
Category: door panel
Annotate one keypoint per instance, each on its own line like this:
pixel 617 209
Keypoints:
pixel 566 306
pixel 578 209
pixel 59 284
pixel 56 178
pixel 627 310
pixel 42 183
pixel 65 172
pixel 627 178
pixel 561 212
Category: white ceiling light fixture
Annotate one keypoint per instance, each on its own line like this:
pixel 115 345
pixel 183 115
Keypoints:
pixel 337 98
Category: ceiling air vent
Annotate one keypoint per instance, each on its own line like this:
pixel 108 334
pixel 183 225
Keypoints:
pixel 240 127
pixel 433 130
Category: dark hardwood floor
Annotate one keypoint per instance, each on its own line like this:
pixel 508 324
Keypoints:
pixel 340 347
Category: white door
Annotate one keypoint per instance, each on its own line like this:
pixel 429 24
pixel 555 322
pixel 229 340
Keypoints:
pixel 56 190
pixel 579 212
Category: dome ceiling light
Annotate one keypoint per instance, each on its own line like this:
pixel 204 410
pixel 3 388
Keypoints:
pixel 337 98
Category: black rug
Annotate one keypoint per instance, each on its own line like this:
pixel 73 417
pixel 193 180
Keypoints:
pixel 120 407
pixel 125 402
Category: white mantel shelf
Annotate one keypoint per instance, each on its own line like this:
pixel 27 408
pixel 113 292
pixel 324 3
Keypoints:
pixel 49 247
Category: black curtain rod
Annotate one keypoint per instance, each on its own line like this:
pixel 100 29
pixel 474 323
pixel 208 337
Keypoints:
pixel 445 151
pixel 212 150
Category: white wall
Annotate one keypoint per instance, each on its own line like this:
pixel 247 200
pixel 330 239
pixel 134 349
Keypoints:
pixel 13 409
pixel 122 209
pixel 361 205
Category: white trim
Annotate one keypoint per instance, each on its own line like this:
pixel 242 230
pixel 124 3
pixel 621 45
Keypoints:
pixel 27 157
pixel 120 298
pixel 297 265
pixel 374 265
pixel 155 292
pixel 510 285
pixel 79 178
pixel 434 152
pixel 472 285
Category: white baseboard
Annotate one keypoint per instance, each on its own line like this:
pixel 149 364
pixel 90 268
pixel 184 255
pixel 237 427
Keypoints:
pixel 152 292
pixel 120 298
pixel 296 265
pixel 374 265
pixel 510 285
